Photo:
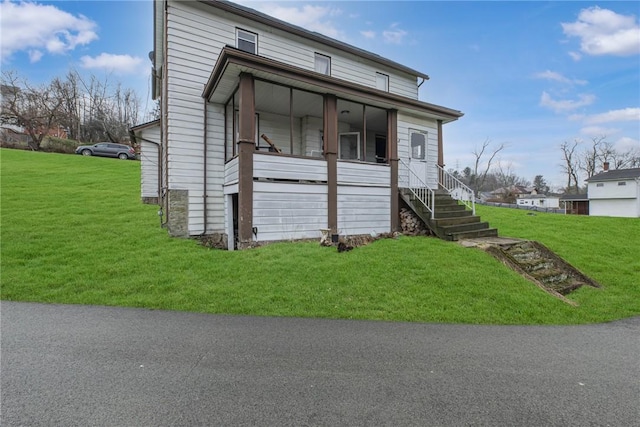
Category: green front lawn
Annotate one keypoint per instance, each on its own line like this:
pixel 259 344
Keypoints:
pixel 73 230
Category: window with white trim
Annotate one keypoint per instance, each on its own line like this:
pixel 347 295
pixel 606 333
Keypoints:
pixel 322 64
pixel 246 41
pixel 382 82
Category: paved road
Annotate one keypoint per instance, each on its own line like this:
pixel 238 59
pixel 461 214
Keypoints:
pixel 98 366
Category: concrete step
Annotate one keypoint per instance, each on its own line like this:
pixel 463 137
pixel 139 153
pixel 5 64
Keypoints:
pixel 453 214
pixel 473 226
pixel 450 208
pixel 487 232
pixel 443 222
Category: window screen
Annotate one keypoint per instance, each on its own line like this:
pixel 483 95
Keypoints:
pixel 418 145
pixel 247 41
pixel 323 64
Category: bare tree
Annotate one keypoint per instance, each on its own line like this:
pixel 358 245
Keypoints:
pixel 571 165
pixel 479 179
pixel 34 109
pixel 590 160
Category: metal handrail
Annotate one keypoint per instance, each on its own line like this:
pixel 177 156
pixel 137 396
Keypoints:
pixel 456 189
pixel 407 179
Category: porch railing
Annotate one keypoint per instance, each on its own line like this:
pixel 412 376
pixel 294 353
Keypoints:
pixel 456 188
pixel 411 182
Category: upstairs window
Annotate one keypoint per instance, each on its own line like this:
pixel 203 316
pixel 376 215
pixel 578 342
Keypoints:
pixel 323 64
pixel 600 184
pixel 246 41
pixel 382 82
pixel 622 183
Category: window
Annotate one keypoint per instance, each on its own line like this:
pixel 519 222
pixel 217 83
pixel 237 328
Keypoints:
pixel 600 184
pixel 323 64
pixel 349 146
pixel 418 145
pixel 382 82
pixel 247 41
pixel 622 183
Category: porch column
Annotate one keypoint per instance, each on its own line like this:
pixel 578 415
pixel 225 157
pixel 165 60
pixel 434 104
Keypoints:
pixel 440 152
pixel 392 155
pixel 246 148
pixel 331 156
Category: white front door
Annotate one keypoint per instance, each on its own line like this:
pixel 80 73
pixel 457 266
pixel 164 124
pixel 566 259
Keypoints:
pixel 418 154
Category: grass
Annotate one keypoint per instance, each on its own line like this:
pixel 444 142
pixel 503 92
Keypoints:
pixel 73 230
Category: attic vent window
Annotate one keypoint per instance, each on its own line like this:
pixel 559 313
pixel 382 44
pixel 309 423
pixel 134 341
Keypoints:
pixel 247 41
pixel 600 184
pixel 323 64
pixel 382 82
pixel 622 183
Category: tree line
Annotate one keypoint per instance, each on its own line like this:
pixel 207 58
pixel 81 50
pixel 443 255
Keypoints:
pixel 87 109
pixel 580 160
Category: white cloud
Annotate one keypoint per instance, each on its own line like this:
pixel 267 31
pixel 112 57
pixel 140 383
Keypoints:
pixel 368 34
pixel 312 18
pixel 622 115
pixel 575 56
pixel 121 64
pixel 604 32
pixel 34 27
pixel 626 144
pixel 557 77
pixel 594 131
pixel 565 106
pixel 35 55
pixel 394 35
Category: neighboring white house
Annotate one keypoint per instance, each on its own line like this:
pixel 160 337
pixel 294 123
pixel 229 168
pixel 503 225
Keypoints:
pixel 539 201
pixel 271 132
pixel 615 193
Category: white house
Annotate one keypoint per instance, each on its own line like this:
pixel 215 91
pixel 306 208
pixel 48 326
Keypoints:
pixel 539 201
pixel 615 193
pixel 271 132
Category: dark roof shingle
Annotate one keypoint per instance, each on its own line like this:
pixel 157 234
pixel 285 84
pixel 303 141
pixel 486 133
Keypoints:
pixel 616 174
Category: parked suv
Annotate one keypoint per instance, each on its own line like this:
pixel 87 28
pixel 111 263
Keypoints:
pixel 107 149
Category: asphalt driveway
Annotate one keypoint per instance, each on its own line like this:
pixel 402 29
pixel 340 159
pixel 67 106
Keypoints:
pixel 67 365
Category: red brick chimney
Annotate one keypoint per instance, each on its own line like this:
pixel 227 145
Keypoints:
pixel 605 165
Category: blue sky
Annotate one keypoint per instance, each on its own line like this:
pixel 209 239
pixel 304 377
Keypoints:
pixel 530 75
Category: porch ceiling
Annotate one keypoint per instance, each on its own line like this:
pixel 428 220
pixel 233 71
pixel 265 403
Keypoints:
pixel 232 62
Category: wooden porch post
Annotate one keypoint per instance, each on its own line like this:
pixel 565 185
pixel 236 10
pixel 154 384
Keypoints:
pixel 331 156
pixel 246 148
pixel 392 155
pixel 440 152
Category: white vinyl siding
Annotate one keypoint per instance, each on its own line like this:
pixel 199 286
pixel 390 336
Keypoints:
pixel 364 198
pixel 149 162
pixel 292 168
pixel 196 33
pixel 284 47
pixel 408 124
pixel 284 211
pixel 364 210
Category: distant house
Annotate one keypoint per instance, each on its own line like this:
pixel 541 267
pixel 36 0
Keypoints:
pixel 539 201
pixel 575 204
pixel 615 193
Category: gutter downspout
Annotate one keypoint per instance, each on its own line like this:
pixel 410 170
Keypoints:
pixel 204 171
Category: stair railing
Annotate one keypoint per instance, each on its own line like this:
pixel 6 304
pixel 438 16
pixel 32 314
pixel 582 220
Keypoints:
pixel 407 179
pixel 456 188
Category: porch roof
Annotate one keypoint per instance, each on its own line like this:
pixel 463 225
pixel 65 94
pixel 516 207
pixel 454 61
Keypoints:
pixel 231 62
